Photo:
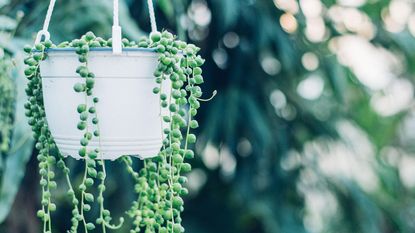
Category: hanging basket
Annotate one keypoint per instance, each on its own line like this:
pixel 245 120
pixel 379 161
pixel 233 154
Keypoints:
pixel 95 98
pixel 129 112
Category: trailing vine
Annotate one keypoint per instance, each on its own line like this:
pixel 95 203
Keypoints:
pixel 37 120
pixel 160 183
pixel 7 109
pixel 7 100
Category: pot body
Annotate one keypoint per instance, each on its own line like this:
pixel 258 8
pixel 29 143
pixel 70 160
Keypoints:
pixel 129 112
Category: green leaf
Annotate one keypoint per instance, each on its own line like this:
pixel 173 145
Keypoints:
pixel 227 12
pixel 167 7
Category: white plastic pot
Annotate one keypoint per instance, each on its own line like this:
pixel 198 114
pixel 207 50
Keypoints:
pixel 128 110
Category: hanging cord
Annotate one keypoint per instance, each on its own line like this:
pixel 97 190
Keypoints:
pixel 44 32
pixel 116 29
pixel 152 15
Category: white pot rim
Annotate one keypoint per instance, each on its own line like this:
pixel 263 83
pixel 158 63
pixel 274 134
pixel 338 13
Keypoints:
pixel 102 49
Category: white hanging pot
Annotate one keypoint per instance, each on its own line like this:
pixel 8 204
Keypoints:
pixel 129 112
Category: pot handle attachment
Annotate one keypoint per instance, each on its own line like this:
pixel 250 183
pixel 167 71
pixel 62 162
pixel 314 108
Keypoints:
pixel 116 31
pixel 44 32
pixel 116 28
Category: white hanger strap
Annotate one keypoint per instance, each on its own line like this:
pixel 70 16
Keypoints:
pixel 116 31
pixel 115 14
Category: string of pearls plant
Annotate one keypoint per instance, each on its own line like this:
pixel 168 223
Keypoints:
pixel 160 183
pixel 7 100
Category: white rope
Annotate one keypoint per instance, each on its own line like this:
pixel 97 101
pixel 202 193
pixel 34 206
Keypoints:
pixel 152 15
pixel 44 32
pixel 116 29
pixel 49 15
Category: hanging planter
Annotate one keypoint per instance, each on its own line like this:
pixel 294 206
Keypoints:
pixel 129 111
pixel 95 99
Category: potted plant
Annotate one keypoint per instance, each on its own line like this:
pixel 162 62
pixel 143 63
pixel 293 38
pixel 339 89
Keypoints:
pixel 116 88
pixel 96 99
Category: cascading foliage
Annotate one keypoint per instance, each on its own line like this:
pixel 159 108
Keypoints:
pixel 7 100
pixel 160 183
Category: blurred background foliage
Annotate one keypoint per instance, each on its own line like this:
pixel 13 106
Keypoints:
pixel 312 129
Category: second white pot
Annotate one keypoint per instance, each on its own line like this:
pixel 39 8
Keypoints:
pixel 128 111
